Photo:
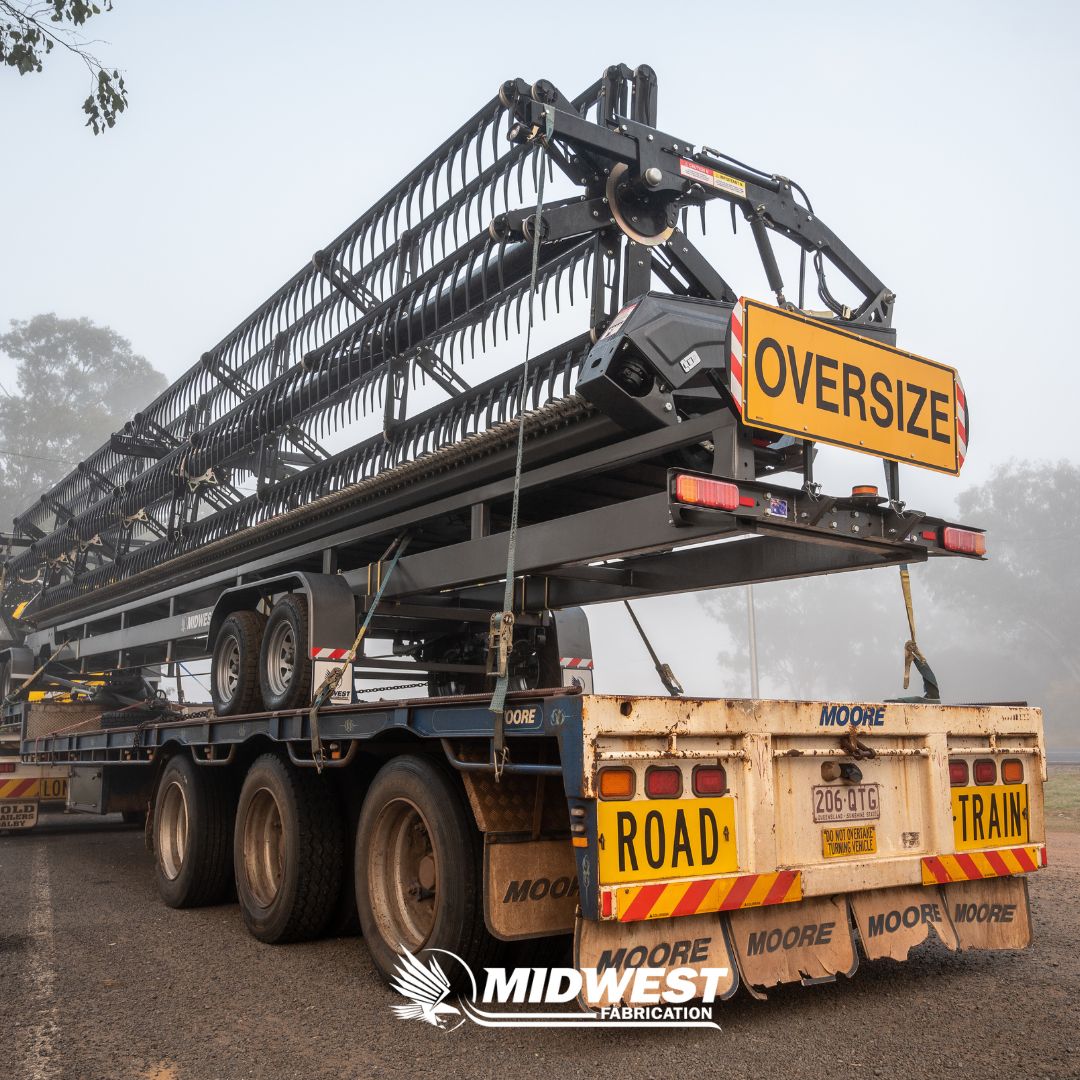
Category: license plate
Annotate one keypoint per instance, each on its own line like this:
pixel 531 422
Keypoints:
pixel 851 802
pixel 53 789
pixel 846 841
pixel 813 381
pixel 991 816
pixel 666 838
pixel 18 815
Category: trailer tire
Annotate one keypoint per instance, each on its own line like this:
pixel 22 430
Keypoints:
pixel 284 663
pixel 415 836
pixel 234 667
pixel 288 851
pixel 193 831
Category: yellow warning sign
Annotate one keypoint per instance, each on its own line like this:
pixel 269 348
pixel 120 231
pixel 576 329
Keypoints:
pixel 804 378
pixel 849 840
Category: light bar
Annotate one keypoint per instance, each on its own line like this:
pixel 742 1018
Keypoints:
pixel 702 491
pixel 963 541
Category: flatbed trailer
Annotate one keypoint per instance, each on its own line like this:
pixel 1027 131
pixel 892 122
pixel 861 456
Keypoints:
pixel 669 446
pixel 627 821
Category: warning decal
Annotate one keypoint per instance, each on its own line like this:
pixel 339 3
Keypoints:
pixel 713 177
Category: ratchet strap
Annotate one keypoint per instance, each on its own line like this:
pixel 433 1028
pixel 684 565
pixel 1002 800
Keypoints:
pixel 333 676
pixel 667 676
pixel 502 623
pixel 912 653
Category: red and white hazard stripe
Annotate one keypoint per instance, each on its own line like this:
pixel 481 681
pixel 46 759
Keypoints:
pixel 735 356
pixel 581 662
pixel 962 422
pixel 329 654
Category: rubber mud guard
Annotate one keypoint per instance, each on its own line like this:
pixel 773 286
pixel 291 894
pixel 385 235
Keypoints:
pixel 891 922
pixel 990 914
pixel 809 942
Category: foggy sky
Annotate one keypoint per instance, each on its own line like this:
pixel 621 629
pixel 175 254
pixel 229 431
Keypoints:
pixel 937 140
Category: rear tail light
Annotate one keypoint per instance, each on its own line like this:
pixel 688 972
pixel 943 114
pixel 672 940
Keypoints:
pixel 701 491
pixel 663 783
pixel 617 783
pixel 710 780
pixel 958 773
pixel 1012 771
pixel 985 771
pixel 963 541
pixel 7 766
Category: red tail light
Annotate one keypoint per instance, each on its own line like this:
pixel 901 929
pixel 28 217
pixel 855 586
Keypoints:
pixel 701 491
pixel 7 766
pixel 963 541
pixel 710 780
pixel 958 773
pixel 663 783
pixel 985 771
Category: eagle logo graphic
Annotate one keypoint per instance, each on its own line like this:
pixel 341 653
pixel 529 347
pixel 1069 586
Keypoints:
pixel 426 988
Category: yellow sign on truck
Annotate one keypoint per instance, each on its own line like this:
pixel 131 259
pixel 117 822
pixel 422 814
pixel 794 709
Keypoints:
pixel 796 375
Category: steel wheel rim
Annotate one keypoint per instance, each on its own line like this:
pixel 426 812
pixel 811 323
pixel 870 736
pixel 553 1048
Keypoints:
pixel 172 830
pixel 281 658
pixel 264 847
pixel 403 875
pixel 228 668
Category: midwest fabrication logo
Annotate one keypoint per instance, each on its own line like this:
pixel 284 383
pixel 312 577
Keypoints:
pixel 646 997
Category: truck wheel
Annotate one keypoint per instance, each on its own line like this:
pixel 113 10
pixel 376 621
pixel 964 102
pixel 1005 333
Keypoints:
pixel 418 868
pixel 193 829
pixel 234 668
pixel 284 665
pixel 288 851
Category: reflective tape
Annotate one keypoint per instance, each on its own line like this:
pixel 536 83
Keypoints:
pixel 22 788
pixel 975 865
pixel 665 900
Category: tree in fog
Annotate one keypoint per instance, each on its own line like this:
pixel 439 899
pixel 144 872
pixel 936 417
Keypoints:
pixel 76 384
pixel 1005 629
pixel 30 31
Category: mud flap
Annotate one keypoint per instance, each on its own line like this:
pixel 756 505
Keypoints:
pixel 530 888
pixel 891 922
pixel 990 914
pixel 809 942
pixel 695 942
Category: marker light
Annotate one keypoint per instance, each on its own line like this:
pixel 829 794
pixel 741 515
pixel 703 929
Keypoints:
pixel 1012 771
pixel 864 491
pixel 701 491
pixel 958 772
pixel 617 783
pixel 710 780
pixel 663 783
pixel 985 771
pixel 963 541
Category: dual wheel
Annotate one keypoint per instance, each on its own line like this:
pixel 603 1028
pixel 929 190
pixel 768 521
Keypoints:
pixel 262 663
pixel 413 865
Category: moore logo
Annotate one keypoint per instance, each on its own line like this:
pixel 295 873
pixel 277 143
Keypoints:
pixel 853 715
pixel 540 889
pixel 528 716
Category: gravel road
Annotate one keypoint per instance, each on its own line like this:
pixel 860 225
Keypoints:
pixel 99 979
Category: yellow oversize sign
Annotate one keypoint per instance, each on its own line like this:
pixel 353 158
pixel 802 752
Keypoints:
pixel 806 379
